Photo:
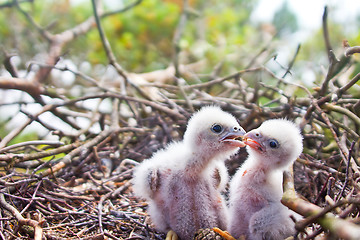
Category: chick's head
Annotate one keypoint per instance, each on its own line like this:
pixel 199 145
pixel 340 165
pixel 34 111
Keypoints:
pixel 212 130
pixel 276 142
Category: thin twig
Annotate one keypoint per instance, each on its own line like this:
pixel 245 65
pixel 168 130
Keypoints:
pixel 32 198
pixel 82 149
pixel 36 142
pixel 347 170
pixel 291 64
pixel 38 155
pixel 110 55
pixel 326 33
pixel 220 80
pixel 177 36
pixel 17 130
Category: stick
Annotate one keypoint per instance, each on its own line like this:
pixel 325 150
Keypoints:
pixel 339 227
pixel 22 221
pixel 347 170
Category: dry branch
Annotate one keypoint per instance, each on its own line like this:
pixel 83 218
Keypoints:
pixel 339 227
pixel 38 155
pixel 22 221
pixel 38 142
pixel 82 150
pixel 29 86
pixel 352 50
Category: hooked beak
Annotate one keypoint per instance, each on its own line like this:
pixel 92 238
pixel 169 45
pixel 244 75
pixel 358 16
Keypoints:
pixel 234 137
pixel 249 139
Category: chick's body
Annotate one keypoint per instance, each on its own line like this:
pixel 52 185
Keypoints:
pixel 256 189
pixel 182 183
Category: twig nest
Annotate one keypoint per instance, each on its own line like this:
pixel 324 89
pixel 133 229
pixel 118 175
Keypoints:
pixel 207 234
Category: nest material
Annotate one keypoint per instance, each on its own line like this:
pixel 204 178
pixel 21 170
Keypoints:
pixel 83 190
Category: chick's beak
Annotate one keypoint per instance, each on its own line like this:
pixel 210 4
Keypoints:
pixel 249 139
pixel 234 137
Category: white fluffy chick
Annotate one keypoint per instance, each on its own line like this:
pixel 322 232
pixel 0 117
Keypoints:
pixel 255 209
pixel 182 183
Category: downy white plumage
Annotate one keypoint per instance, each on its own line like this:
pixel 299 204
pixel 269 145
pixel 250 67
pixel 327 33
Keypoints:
pixel 256 189
pixel 182 183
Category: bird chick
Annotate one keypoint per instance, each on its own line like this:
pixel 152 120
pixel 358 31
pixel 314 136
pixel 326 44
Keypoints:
pixel 255 209
pixel 182 183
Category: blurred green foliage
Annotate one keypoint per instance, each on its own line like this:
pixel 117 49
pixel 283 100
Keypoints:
pixel 285 20
pixel 142 37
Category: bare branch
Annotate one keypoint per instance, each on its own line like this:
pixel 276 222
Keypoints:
pixel 38 155
pixel 177 36
pixel 339 227
pixel 37 142
pixel 17 130
pixel 326 34
pixel 21 84
pixel 352 50
pixel 23 221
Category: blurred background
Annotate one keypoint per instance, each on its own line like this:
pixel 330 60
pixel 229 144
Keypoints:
pixel 229 36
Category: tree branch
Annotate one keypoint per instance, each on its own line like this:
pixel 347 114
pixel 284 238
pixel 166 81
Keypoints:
pixel 339 227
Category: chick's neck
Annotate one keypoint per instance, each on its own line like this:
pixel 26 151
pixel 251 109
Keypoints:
pixel 199 161
pixel 261 174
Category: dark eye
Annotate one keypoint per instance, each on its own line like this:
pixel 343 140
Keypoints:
pixel 216 128
pixel 273 143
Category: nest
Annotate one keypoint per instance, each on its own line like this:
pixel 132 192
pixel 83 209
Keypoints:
pixel 79 185
pixel 75 188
